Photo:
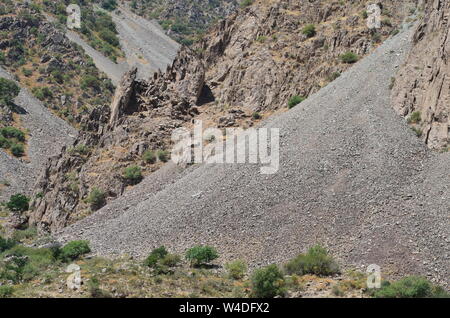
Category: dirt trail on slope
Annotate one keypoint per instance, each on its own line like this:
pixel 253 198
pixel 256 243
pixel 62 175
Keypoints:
pixel 47 135
pixel 353 176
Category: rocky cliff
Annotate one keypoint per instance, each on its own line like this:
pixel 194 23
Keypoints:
pixel 251 63
pixel 421 92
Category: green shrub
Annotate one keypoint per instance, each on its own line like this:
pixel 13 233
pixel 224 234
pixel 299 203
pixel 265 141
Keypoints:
pixel 18 203
pixel 6 291
pixel 156 255
pixel 6 244
pixel 349 57
pixel 133 174
pixel 96 198
pixel 149 157
pixel 295 100
pixel 8 90
pixel 170 260
pixel 236 269
pixel 415 117
pixel 80 149
pixel 410 287
pixel 200 255
pixel 74 250
pixel 309 30
pixel 12 132
pixel 256 116
pixel 17 150
pixel 246 3
pixel 268 282
pixel 163 155
pixel 316 261
pixel 4 143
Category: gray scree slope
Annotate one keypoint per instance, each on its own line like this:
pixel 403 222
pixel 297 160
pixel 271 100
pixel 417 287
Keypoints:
pixel 48 134
pixel 353 176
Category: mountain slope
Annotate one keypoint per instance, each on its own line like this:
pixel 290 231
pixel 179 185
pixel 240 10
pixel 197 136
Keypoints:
pixel 248 67
pixel 47 135
pixel 353 176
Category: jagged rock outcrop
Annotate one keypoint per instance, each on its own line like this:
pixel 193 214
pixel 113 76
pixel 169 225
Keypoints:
pixel 423 84
pixel 142 116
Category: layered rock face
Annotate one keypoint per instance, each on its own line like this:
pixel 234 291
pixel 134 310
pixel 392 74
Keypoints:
pixel 421 92
pixel 254 61
pixel 260 57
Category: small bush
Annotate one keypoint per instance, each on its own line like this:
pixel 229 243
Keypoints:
pixel 415 117
pixel 8 90
pixel 410 287
pixel 256 116
pixel 268 282
pixel 149 157
pixel 6 291
pixel 74 250
pixel 96 198
pixel 80 149
pixel 200 255
pixel 17 150
pixel 236 269
pixel 18 203
pixel 246 3
pixel 12 132
pixel 316 261
pixel 163 155
pixel 6 244
pixel 170 260
pixel 295 100
pixel 133 174
pixel 309 30
pixel 155 256
pixel 349 58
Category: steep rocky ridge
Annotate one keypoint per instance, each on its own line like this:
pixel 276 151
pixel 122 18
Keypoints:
pixel 423 84
pixel 237 70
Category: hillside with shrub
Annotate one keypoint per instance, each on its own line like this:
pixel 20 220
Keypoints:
pixel 55 70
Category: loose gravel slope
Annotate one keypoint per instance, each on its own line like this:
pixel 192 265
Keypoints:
pixel 47 135
pixel 352 176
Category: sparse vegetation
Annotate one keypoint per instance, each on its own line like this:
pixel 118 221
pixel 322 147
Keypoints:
pixel 309 30
pixel 8 91
pixel 349 58
pixel 18 203
pixel 96 198
pixel 415 117
pixel 201 255
pixel 237 269
pixel 268 282
pixel 149 156
pixel 74 250
pixel 163 155
pixel 295 100
pixel 133 174
pixel 316 261
pixel 410 287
